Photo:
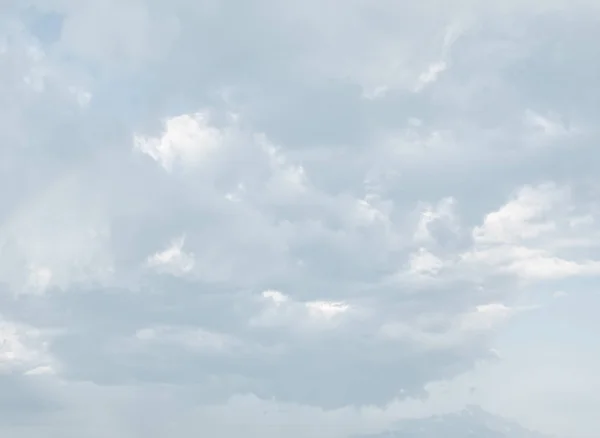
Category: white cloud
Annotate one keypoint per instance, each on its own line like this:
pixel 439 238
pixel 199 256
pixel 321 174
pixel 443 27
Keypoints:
pixel 280 311
pixel 547 126
pixel 425 263
pixel 525 217
pixel 430 75
pixel 285 176
pixel 485 316
pixel 532 264
pixel 326 309
pixel 438 331
pixel 22 348
pixel 187 139
pixel 173 259
pixel 434 215
pixel 527 235
pixel 40 278
pixel 277 297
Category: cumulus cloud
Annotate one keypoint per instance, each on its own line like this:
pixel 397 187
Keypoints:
pixel 279 310
pixel 173 259
pixel 341 221
pixel 23 349
pixel 186 138
pixel 522 237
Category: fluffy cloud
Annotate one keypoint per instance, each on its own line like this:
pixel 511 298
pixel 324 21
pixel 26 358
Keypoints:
pixel 187 138
pixel 23 349
pixel 173 259
pixel 312 214
pixel 527 235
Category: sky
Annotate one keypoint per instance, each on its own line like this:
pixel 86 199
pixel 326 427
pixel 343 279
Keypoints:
pixel 331 219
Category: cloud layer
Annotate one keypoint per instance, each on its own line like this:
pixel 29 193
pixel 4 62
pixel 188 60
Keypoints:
pixel 305 217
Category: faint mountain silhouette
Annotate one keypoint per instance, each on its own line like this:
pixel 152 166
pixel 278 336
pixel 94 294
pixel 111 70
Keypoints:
pixel 473 422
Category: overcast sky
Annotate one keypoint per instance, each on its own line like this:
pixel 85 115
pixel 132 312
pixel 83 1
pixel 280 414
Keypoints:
pixel 317 218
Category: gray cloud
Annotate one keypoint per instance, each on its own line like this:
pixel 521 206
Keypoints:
pixel 318 207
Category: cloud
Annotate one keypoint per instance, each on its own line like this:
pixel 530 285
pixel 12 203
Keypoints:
pixel 523 217
pixel 186 338
pixel 172 259
pixel 547 126
pixel 311 219
pixel 437 331
pixel 23 349
pixel 46 245
pixel 186 138
pixel 423 262
pixel 279 310
pixel 522 237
